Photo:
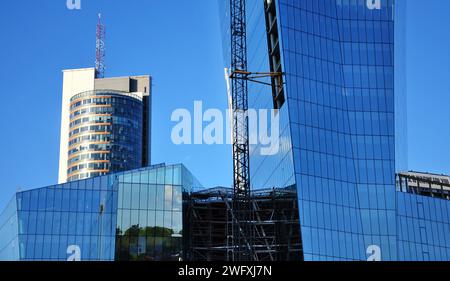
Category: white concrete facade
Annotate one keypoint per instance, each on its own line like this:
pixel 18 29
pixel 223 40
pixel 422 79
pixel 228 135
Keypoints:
pixel 75 81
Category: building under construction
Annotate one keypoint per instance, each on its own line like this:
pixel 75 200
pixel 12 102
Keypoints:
pixel 275 226
pixel 425 184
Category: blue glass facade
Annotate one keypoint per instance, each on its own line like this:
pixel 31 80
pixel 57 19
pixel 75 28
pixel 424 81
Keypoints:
pixel 135 215
pixel 338 128
pixel 423 225
pixel 339 62
pixel 9 240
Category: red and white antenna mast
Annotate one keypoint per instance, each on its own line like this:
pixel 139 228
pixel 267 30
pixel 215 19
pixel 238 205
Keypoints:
pixel 100 49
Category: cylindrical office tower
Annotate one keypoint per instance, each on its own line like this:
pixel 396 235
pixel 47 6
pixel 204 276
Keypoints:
pixel 105 133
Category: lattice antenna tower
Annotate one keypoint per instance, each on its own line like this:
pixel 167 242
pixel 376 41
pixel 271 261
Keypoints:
pixel 100 49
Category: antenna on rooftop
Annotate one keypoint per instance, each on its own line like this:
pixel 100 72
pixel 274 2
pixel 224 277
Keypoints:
pixel 100 49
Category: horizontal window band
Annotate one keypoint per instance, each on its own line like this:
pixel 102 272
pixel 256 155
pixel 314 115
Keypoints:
pixel 89 106
pixel 89 97
pixel 88 152
pixel 90 115
pixel 78 172
pixel 86 133
pixel 88 124
pixel 88 143
pixel 86 162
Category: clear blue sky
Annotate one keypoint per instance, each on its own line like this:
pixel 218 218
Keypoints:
pixel 178 43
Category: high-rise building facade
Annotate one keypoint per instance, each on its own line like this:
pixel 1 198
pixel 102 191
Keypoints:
pixel 133 215
pixel 339 123
pixel 105 124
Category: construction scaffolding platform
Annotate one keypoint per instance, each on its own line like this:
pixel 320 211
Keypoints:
pixel 276 225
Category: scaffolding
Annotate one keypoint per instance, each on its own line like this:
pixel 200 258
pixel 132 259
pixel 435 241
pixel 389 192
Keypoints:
pixel 275 226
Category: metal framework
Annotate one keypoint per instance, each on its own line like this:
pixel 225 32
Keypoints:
pixel 273 44
pixel 100 49
pixel 276 225
pixel 423 186
pixel 242 230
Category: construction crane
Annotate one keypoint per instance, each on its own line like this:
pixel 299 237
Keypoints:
pixel 243 230
pixel 242 222
pixel 100 49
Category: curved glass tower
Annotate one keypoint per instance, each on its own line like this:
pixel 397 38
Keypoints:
pixel 105 124
pixel 105 133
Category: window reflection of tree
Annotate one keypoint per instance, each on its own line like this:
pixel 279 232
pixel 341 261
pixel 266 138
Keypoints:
pixel 161 243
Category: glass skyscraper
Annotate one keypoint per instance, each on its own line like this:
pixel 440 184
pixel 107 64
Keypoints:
pixel 134 215
pixel 105 124
pixel 339 125
pixel 105 133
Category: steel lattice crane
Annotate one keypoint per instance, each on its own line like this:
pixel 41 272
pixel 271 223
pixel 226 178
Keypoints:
pixel 242 223
pixel 243 214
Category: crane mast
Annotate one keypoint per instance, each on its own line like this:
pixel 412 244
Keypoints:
pixel 242 211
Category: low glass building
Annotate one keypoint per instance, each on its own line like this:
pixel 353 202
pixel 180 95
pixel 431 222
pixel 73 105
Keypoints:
pixel 134 215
